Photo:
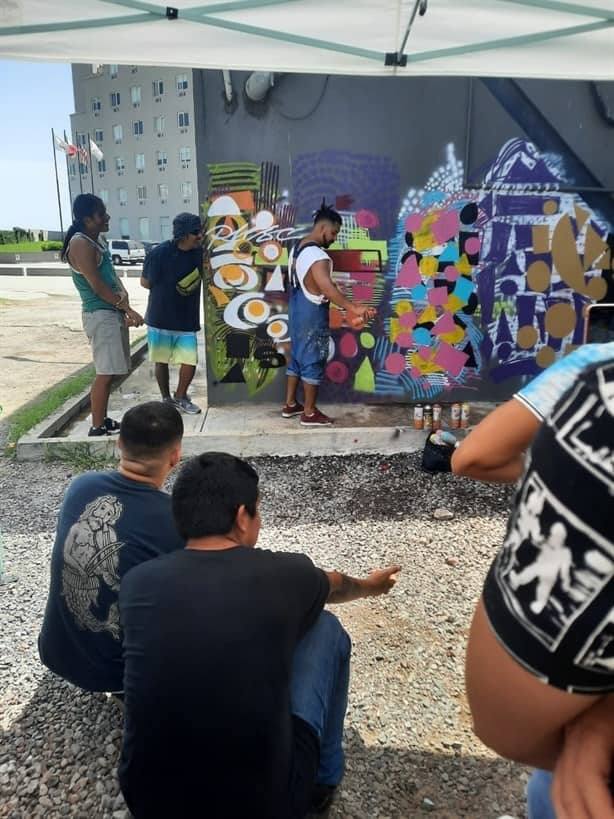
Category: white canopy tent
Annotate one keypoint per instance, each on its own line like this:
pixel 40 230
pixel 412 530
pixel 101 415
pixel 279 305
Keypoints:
pixel 511 38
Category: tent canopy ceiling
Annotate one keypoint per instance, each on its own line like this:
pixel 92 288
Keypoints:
pixel 511 38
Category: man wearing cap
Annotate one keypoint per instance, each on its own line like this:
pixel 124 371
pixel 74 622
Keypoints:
pixel 172 273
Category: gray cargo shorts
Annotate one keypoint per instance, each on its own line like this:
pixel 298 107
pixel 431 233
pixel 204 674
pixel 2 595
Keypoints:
pixel 108 335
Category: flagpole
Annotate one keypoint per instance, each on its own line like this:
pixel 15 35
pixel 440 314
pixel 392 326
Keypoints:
pixel 89 151
pixel 68 175
pixel 57 182
pixel 79 167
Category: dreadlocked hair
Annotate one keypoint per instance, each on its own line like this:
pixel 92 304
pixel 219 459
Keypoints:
pixel 326 213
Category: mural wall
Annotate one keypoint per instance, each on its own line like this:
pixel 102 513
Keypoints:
pixel 476 291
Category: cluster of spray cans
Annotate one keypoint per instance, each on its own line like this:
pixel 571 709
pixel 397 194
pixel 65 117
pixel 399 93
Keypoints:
pixel 430 417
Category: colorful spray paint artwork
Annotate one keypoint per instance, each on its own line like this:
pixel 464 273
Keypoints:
pixel 542 261
pixel 471 287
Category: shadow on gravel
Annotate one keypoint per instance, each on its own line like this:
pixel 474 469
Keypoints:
pixel 405 784
pixel 59 759
pixel 369 487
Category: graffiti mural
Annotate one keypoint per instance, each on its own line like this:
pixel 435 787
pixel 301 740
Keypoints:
pixel 471 287
pixel 431 342
pixel 542 261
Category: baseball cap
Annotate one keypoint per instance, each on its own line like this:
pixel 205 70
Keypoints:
pixel 185 223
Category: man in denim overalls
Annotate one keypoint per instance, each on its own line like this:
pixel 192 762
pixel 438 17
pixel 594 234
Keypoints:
pixel 311 291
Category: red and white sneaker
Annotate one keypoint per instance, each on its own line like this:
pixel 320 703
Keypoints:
pixel 289 411
pixel 316 419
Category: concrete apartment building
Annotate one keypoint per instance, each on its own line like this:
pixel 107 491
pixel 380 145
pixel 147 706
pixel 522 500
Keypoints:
pixel 147 121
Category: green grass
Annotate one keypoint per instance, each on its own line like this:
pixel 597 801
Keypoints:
pixel 35 411
pixel 22 247
pixel 79 458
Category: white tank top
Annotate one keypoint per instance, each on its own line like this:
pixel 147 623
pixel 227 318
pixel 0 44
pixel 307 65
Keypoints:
pixel 306 258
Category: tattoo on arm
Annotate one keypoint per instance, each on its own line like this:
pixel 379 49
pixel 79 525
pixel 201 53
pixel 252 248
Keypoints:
pixel 346 589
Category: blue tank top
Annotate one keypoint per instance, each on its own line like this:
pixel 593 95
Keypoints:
pixel 89 300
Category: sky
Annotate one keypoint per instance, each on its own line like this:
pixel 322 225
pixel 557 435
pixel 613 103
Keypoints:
pixel 36 97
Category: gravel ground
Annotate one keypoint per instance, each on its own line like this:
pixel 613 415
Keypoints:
pixel 410 749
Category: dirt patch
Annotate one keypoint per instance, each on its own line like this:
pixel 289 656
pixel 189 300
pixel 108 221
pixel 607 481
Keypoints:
pixel 41 341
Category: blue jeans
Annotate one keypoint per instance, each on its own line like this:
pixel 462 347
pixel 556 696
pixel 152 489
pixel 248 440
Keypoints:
pixel 319 690
pixel 539 803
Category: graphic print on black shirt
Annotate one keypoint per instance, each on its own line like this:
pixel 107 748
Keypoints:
pixel 550 592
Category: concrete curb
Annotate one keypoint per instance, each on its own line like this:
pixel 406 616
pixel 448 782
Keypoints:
pixel 42 441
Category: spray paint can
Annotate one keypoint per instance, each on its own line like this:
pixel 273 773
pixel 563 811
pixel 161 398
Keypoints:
pixel 428 417
pixel 465 411
pixel 436 416
pixel 418 416
pixel 455 416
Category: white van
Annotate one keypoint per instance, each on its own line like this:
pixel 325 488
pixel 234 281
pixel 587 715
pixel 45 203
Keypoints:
pixel 126 251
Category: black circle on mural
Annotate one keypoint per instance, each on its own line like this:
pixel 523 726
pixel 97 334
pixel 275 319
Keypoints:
pixel 469 214
pixel 470 308
pixel 509 287
pixel 504 351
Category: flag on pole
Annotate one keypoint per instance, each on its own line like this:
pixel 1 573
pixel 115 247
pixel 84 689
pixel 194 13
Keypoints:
pixel 68 148
pixel 95 151
pixel 83 154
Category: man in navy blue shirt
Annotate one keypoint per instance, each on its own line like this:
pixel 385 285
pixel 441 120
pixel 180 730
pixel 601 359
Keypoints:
pixel 109 522
pixel 172 273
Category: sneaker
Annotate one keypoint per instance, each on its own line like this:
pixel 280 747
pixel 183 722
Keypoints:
pixel 321 798
pixel 289 411
pixel 316 419
pixel 185 405
pixel 112 426
pixel 96 432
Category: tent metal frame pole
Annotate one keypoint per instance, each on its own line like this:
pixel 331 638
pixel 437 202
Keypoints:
pixel 523 39
pixel 76 25
pixel 566 8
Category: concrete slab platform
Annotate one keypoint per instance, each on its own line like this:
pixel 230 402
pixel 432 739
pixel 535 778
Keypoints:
pixel 248 429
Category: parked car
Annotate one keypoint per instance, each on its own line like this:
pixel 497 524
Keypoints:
pixel 149 246
pixel 126 251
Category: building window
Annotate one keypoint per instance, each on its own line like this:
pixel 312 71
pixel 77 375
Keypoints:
pixel 158 88
pixel 96 106
pixel 182 84
pixel 113 71
pixel 118 134
pixel 83 168
pixel 122 195
pixel 185 156
pixel 162 160
pixel 165 227
pixel 124 228
pixel 98 136
pixel 138 128
pixel 72 169
pixel 159 125
pixel 81 140
pixel 139 162
pixel 135 95
pixel 186 189
pixel 115 98
pixel 104 195
pixel 141 193
pixel 102 166
pixel 120 165
pixel 144 228
pixel 183 119
pixel 163 192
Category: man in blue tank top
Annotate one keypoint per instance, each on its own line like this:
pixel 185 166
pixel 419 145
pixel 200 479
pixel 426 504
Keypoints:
pixel 106 309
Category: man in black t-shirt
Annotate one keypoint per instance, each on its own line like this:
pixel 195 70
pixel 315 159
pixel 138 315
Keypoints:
pixel 172 273
pixel 540 659
pixel 108 523
pixel 235 680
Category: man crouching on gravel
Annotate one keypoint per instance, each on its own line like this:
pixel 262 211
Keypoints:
pixel 236 680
